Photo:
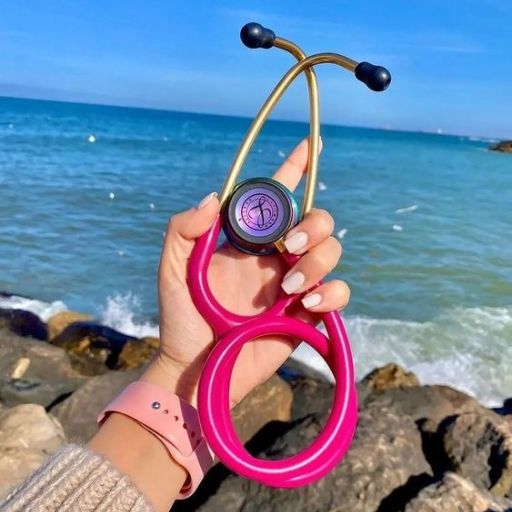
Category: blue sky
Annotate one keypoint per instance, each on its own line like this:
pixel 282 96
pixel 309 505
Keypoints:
pixel 450 59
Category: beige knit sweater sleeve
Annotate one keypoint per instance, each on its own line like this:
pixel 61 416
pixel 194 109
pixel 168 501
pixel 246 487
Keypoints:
pixel 76 480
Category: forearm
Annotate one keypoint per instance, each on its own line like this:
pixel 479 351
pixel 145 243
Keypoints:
pixel 139 454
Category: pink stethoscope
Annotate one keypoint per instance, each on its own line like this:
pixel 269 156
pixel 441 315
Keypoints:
pixel 255 216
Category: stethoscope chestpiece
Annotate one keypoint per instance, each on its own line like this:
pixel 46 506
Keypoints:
pixel 257 214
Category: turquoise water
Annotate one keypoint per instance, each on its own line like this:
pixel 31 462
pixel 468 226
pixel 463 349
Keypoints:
pixel 82 223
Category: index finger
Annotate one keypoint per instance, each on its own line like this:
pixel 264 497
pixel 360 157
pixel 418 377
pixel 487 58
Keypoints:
pixel 290 173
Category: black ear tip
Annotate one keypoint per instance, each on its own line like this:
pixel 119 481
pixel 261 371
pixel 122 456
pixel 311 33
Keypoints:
pixel 254 35
pixel 377 78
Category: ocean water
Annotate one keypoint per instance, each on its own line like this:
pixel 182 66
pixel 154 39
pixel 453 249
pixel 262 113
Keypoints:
pixel 425 221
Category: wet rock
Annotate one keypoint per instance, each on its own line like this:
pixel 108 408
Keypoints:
pixel 389 377
pixel 137 352
pixel 479 447
pixel 23 323
pixel 456 494
pixel 60 321
pixel 504 146
pixel 92 347
pixel 385 460
pixel 27 436
pixel 29 359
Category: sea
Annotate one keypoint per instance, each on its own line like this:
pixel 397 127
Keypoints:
pixel 425 221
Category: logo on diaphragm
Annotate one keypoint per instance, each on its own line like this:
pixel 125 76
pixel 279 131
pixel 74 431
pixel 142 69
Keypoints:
pixel 259 212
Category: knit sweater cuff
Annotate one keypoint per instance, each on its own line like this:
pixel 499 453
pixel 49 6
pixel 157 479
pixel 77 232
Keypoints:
pixel 76 479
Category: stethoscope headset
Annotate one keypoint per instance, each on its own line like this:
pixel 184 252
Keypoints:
pixel 255 215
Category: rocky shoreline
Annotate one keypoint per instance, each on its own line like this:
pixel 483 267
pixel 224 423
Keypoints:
pixel 417 448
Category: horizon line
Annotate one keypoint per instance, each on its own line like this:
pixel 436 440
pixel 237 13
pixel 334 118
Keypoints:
pixel 239 116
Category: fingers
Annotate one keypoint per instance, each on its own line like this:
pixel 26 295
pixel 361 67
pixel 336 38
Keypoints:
pixel 316 226
pixel 184 228
pixel 313 266
pixel 330 296
pixel 290 173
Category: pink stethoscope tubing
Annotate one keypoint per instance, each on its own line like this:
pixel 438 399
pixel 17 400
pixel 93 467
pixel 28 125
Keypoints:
pixel 232 331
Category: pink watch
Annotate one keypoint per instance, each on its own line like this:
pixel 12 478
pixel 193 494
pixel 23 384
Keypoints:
pixel 173 421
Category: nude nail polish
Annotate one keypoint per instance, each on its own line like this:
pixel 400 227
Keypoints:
pixel 293 282
pixel 296 243
pixel 312 300
pixel 206 200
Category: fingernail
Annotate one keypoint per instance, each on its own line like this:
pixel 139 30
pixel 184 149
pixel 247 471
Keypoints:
pixel 296 242
pixel 293 282
pixel 312 300
pixel 206 200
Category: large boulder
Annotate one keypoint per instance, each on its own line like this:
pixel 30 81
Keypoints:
pixel 26 358
pixel 78 413
pixel 456 494
pixel 385 462
pixel 93 348
pixel 34 372
pixel 479 447
pixel 504 146
pixel 60 321
pixel 27 436
pixel 23 323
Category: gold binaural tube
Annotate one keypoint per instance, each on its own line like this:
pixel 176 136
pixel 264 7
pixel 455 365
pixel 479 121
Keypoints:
pixel 305 64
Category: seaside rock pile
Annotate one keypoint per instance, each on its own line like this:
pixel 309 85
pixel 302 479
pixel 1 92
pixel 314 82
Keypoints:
pixel 504 146
pixel 417 448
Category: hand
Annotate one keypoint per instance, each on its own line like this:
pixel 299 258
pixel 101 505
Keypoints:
pixel 244 284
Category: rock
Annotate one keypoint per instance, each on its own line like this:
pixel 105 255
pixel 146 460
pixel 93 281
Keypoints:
pixel 389 377
pixel 27 436
pixel 456 494
pixel 294 369
pixel 23 323
pixel 37 391
pixel 92 347
pixel 29 359
pixel 428 405
pixel 78 413
pixel 271 401
pixel 384 465
pixel 479 447
pixel 58 322
pixel 504 146
pixel 137 352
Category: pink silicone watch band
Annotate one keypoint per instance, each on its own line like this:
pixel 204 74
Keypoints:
pixel 173 421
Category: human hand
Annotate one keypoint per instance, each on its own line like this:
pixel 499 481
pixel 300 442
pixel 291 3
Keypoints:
pixel 243 284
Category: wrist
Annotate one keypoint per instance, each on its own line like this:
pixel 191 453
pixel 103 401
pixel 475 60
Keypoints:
pixel 174 377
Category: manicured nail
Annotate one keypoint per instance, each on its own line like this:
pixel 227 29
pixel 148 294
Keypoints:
pixel 206 200
pixel 296 242
pixel 293 282
pixel 312 300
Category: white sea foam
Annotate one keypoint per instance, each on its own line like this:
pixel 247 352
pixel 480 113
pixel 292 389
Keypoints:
pixel 322 186
pixel 407 209
pixel 43 310
pixel 91 138
pixel 120 313
pixel 467 348
pixel 397 227
pixel 112 195
pixel 281 153
pixel 342 233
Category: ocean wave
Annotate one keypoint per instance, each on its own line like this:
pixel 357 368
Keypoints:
pixel 44 310
pixel 121 312
pixel 467 348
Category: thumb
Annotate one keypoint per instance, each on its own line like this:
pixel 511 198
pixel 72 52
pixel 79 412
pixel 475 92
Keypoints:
pixel 184 228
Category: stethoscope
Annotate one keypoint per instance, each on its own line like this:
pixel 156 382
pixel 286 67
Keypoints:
pixel 256 214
